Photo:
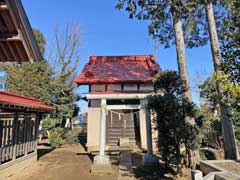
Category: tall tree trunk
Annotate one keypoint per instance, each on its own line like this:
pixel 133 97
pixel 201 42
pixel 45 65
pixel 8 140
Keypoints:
pixel 230 147
pixel 181 56
pixel 192 155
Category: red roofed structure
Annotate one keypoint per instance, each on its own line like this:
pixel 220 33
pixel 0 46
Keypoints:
pixel 10 100
pixel 19 115
pixel 119 69
pixel 19 122
pixel 118 87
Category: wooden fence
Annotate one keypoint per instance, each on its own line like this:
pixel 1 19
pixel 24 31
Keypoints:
pixel 18 134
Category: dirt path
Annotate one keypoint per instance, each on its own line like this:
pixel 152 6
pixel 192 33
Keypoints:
pixel 67 163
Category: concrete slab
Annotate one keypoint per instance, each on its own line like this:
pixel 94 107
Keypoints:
pixel 226 176
pixel 223 169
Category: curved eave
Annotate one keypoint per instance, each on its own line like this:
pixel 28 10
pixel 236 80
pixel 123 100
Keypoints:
pixel 17 41
pixel 13 101
pixel 90 82
pixel 12 106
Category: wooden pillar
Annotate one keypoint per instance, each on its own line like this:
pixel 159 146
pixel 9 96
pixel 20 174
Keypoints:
pixel 15 135
pixel 26 119
pixel 1 136
pixel 37 122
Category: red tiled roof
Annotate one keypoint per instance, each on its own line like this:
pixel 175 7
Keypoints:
pixel 119 69
pixel 7 98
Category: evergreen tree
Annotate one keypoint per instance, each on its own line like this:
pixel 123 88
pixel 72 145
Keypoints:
pixel 33 80
pixel 171 110
pixel 40 40
pixel 230 41
pixel 173 21
pixel 230 147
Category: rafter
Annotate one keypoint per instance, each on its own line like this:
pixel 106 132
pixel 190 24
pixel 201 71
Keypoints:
pixel 12 51
pixel 18 51
pixel 8 21
pixel 5 51
pixel 2 56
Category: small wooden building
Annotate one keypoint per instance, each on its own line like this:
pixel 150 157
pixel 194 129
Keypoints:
pixel 118 87
pixel 19 120
pixel 19 115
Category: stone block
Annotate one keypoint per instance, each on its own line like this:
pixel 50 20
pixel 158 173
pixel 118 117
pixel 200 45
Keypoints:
pixel 150 159
pixel 197 175
pixel 105 160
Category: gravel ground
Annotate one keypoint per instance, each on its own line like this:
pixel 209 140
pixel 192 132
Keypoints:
pixel 67 163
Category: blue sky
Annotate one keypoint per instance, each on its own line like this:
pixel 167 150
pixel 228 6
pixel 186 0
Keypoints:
pixel 107 31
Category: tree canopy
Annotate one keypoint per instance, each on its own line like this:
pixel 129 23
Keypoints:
pixel 159 14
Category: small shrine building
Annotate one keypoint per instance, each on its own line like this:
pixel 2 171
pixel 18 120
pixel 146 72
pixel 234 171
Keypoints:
pixel 117 115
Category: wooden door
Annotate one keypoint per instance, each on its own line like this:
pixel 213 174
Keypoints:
pixel 120 124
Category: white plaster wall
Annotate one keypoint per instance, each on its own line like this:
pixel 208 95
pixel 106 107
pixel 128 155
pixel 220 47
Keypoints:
pixel 146 87
pixel 114 87
pixel 95 103
pixel 130 87
pixel 143 132
pixel 98 87
pixel 93 126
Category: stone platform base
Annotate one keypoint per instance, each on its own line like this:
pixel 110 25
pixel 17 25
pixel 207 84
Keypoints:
pixel 101 160
pixel 101 169
pixel 13 167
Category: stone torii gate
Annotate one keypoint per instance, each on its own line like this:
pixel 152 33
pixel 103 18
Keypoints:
pixel 104 160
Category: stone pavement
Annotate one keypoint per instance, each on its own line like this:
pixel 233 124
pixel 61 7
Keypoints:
pixel 125 167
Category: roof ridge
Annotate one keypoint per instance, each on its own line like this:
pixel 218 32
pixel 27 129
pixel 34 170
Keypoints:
pixel 122 57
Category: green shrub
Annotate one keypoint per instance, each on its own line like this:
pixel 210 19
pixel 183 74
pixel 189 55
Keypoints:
pixel 71 137
pixel 48 123
pixel 56 137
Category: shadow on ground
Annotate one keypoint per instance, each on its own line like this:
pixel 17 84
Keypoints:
pixel 147 172
pixel 83 140
pixel 43 148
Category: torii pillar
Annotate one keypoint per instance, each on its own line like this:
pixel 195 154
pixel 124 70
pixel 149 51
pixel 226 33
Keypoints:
pixel 149 158
pixel 102 163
